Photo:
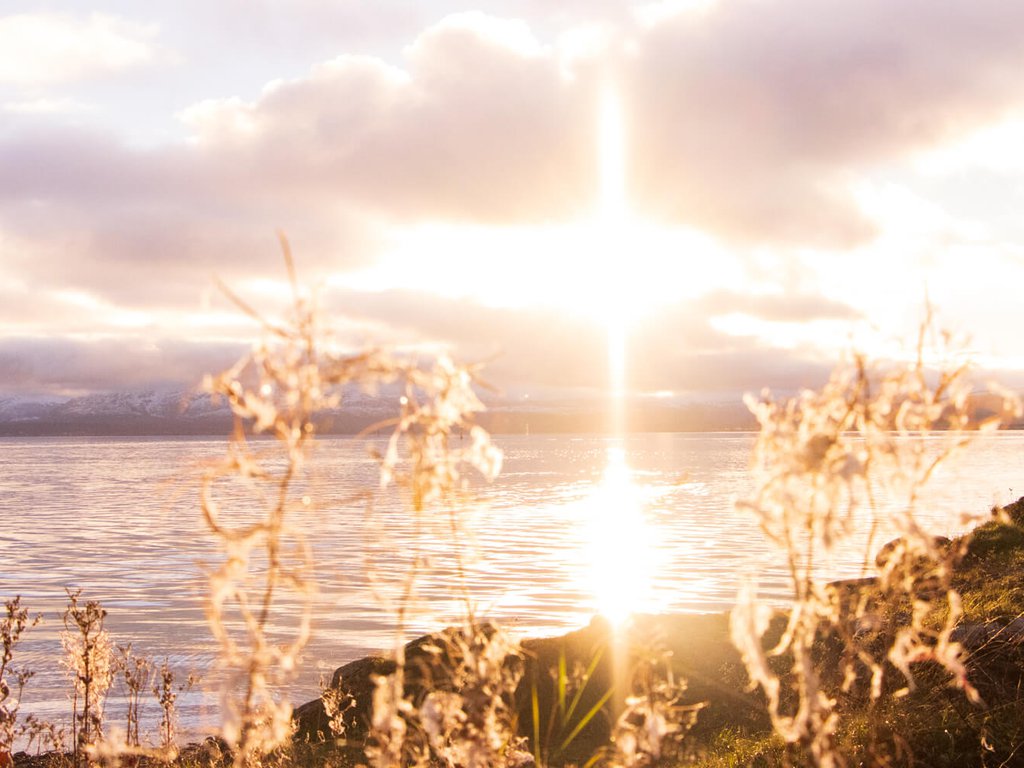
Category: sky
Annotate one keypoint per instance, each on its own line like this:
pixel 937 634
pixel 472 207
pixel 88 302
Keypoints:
pixel 747 188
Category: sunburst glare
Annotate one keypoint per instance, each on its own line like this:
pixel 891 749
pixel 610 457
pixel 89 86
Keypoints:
pixel 613 223
pixel 618 540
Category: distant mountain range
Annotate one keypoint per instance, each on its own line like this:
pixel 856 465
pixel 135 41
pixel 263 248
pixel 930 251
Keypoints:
pixel 154 412
pixel 176 412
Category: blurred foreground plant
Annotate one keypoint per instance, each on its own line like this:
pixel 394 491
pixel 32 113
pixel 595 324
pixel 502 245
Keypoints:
pixel 828 467
pixel 652 727
pixel 553 735
pixel 459 712
pixel 291 379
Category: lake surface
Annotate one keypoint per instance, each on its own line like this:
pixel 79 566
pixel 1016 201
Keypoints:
pixel 574 525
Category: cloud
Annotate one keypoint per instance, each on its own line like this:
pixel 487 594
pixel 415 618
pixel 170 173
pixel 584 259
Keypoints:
pixel 540 350
pixel 748 120
pixel 752 121
pixel 59 366
pixel 46 107
pixel 677 349
pixel 481 126
pixel 150 228
pixel 331 159
pixel 38 49
pixel 752 118
pixel 782 307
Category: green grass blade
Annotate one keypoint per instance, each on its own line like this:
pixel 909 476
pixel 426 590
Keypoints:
pixel 563 679
pixel 586 681
pixel 535 709
pixel 586 719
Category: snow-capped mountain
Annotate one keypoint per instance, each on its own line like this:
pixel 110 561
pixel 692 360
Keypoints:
pixel 165 404
pixel 21 408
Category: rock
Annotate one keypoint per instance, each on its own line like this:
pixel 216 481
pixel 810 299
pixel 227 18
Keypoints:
pixel 428 660
pixel 355 680
pixel 426 666
pixel 975 635
pixel 1015 511
pixel 895 546
pixel 699 645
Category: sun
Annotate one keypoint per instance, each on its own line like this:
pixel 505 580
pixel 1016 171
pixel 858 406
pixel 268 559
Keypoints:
pixel 612 266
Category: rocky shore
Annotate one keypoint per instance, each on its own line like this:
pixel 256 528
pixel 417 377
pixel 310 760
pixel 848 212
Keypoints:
pixel 698 643
pixel 733 721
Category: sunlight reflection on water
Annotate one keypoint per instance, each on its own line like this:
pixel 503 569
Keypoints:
pixel 120 519
pixel 620 544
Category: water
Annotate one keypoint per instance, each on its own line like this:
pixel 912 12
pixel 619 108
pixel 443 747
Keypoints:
pixel 574 525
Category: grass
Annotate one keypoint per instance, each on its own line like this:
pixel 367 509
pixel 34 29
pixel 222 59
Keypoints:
pixel 735 748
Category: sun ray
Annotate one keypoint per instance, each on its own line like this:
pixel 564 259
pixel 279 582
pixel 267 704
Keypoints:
pixel 614 215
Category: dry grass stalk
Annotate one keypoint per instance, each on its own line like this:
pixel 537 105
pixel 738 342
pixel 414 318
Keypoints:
pixel 825 463
pixel 166 694
pixel 135 672
pixel 16 620
pixel 279 390
pixel 45 735
pixel 466 718
pixel 88 660
pixel 460 713
pixel 651 728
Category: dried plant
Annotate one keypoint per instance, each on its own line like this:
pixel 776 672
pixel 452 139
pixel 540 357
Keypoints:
pixel 461 710
pixel 464 718
pixel 88 660
pixel 276 390
pixel 280 389
pixel 828 465
pixel 16 620
pixel 654 721
pixel 135 672
pixel 337 704
pixel 124 747
pixel 428 460
pixel 166 694
pixel 45 735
